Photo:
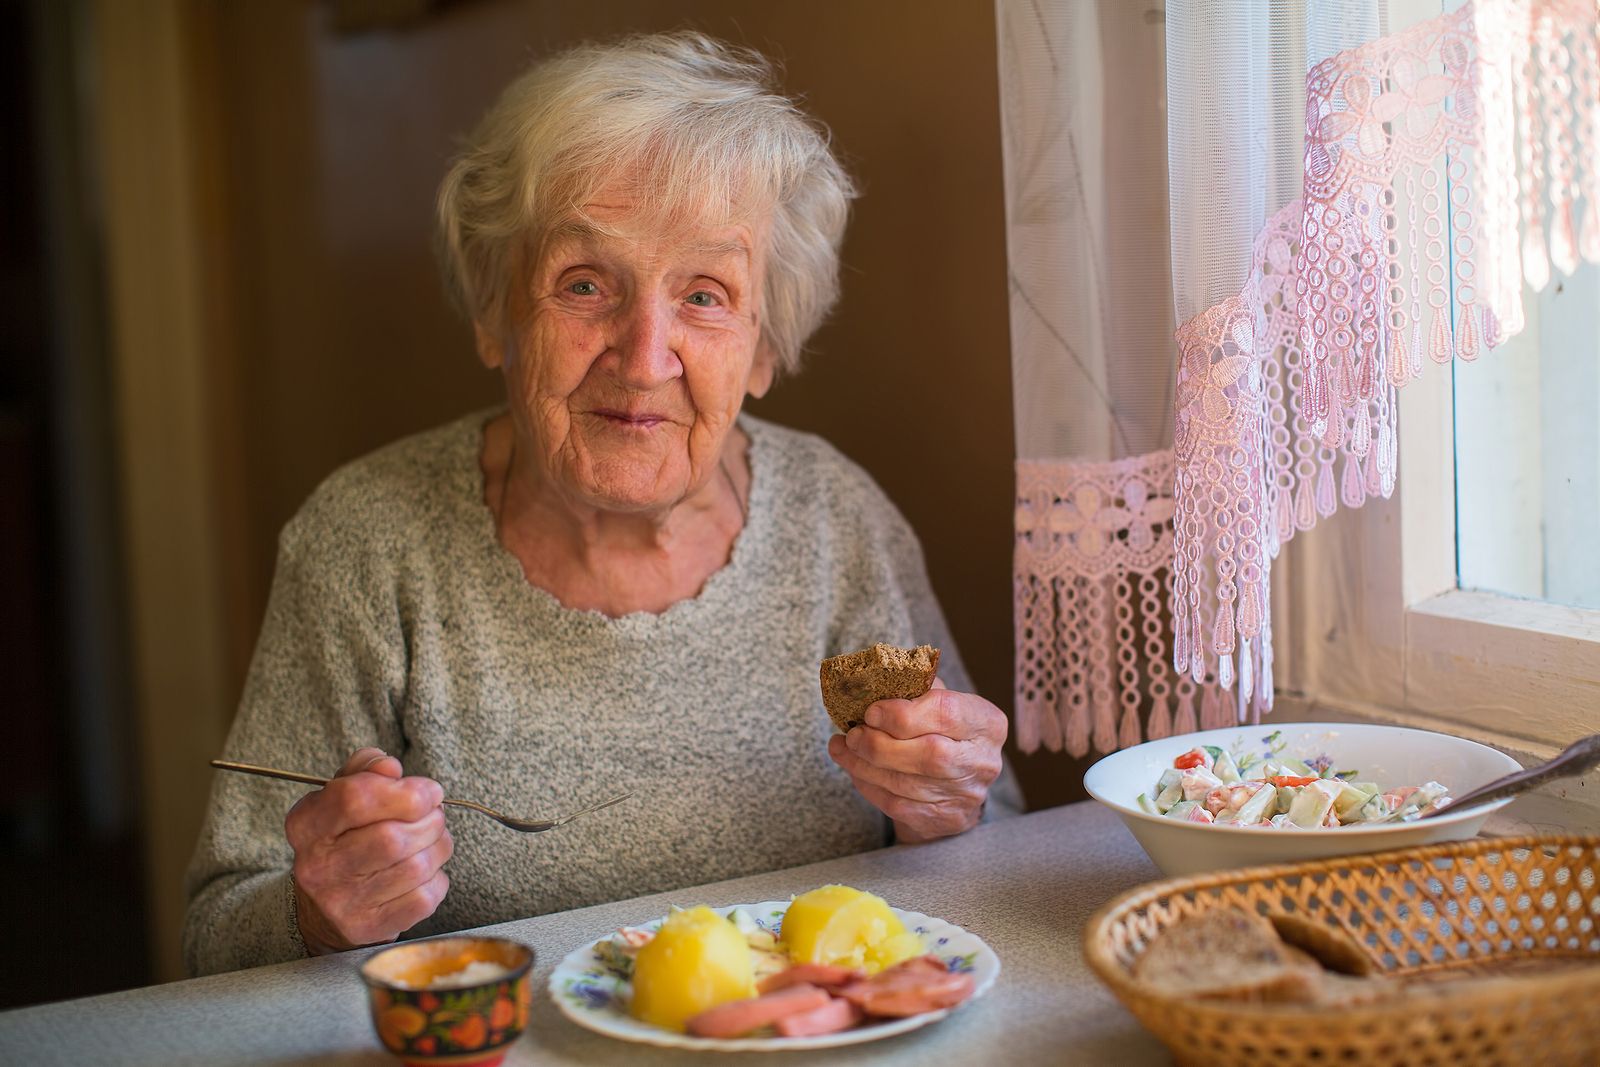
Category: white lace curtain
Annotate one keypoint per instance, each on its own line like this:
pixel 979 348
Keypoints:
pixel 1082 88
pixel 1321 201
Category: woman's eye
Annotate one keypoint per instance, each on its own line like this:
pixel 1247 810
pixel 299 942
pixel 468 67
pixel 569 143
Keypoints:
pixel 584 288
pixel 702 299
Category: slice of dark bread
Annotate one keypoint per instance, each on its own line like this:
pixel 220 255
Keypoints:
pixel 1227 954
pixel 851 683
pixel 1335 949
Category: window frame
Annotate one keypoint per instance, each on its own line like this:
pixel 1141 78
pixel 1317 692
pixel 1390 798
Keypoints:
pixel 1378 626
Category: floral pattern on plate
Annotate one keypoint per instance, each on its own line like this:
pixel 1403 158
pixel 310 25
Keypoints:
pixel 595 995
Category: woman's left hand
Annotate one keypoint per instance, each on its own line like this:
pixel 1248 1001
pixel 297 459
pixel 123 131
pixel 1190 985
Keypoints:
pixel 926 763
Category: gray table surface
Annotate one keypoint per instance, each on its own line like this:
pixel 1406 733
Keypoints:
pixel 1025 885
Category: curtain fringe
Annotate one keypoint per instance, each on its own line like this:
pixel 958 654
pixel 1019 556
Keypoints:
pixel 1092 568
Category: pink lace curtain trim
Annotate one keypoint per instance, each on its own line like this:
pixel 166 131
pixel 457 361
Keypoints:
pixel 1092 574
pixel 1443 166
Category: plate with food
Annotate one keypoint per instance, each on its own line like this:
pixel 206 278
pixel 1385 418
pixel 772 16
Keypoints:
pixel 835 966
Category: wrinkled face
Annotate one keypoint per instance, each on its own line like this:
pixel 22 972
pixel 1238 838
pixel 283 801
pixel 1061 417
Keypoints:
pixel 630 352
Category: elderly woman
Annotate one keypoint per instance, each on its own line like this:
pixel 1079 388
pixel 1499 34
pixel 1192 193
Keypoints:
pixel 615 582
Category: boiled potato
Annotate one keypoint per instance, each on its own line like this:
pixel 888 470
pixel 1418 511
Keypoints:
pixel 846 928
pixel 696 961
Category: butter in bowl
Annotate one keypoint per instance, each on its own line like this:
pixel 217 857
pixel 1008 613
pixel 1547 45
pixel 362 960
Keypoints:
pixel 460 1001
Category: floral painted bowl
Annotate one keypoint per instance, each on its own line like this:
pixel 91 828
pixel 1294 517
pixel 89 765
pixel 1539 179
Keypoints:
pixel 457 1001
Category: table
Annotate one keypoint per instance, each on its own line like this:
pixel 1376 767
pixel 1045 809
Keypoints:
pixel 1025 885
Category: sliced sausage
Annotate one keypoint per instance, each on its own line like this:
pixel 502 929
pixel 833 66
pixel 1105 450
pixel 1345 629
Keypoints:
pixel 910 988
pixel 836 1015
pixel 929 964
pixel 822 975
pixel 909 994
pixel 739 1017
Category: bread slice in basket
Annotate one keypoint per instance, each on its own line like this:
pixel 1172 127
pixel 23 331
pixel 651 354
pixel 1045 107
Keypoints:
pixel 853 682
pixel 1227 954
pixel 1334 949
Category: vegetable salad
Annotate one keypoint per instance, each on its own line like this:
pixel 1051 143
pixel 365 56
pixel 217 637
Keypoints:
pixel 1210 784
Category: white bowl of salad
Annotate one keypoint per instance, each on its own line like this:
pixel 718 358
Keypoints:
pixel 1249 795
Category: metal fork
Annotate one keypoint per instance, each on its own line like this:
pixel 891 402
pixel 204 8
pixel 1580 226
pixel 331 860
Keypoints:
pixel 526 826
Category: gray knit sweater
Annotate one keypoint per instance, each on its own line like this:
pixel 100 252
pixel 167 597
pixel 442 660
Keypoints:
pixel 396 619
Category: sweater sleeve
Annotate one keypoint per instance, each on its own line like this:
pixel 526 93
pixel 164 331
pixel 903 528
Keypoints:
pixel 327 674
pixel 888 597
pixel 1005 794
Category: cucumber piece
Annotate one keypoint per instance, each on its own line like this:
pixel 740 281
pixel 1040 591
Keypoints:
pixel 1255 809
pixel 1284 798
pixel 1147 805
pixel 1348 801
pixel 1376 807
pixel 1425 795
pixel 1182 808
pixel 1225 769
pixel 1311 807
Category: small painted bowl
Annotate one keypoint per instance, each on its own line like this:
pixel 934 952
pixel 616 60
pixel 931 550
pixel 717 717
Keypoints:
pixel 457 1001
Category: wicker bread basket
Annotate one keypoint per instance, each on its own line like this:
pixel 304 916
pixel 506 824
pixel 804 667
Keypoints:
pixel 1521 916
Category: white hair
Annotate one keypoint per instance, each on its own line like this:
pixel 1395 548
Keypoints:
pixel 698 123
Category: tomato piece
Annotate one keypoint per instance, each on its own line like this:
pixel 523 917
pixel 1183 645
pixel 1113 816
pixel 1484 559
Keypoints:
pixel 1291 779
pixel 1189 760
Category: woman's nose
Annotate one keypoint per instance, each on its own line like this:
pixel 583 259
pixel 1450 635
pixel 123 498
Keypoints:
pixel 646 343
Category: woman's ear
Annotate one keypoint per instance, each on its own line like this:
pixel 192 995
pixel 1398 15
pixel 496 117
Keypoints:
pixel 491 349
pixel 762 371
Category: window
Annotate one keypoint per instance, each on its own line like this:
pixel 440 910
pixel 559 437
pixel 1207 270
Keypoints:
pixel 1467 603
pixel 1527 432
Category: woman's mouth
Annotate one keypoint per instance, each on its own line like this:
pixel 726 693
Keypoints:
pixel 638 420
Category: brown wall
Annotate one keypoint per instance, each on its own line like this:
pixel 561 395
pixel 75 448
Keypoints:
pixel 336 338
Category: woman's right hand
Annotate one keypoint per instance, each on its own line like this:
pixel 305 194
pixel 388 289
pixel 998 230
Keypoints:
pixel 369 852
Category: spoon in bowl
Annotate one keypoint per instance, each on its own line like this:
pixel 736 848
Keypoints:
pixel 526 826
pixel 1582 755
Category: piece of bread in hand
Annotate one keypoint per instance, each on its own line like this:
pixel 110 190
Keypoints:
pixel 853 682
pixel 1227 954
